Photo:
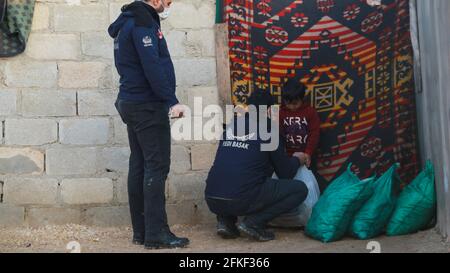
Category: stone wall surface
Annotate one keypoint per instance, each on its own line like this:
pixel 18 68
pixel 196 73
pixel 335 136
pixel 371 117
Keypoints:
pixel 63 148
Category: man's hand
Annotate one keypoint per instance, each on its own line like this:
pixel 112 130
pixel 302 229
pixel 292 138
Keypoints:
pixel 177 111
pixel 305 159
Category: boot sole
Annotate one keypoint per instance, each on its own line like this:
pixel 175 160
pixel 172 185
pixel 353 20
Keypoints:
pixel 227 235
pixel 249 234
pixel 158 246
pixel 137 243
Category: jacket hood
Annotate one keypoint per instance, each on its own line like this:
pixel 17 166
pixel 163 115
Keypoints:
pixel 115 27
pixel 143 14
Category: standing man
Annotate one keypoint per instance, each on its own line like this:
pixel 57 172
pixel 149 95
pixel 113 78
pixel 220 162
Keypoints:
pixel 146 97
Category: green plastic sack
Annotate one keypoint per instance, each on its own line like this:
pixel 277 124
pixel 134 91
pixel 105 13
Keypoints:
pixel 373 217
pixel 416 205
pixel 336 208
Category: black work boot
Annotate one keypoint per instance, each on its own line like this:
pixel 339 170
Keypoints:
pixel 166 239
pixel 137 242
pixel 227 229
pixel 256 233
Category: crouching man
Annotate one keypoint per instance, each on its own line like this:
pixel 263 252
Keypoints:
pixel 240 184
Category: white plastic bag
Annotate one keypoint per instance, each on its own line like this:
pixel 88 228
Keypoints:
pixel 300 216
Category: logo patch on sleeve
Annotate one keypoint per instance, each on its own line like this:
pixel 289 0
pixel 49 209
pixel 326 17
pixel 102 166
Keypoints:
pixel 147 41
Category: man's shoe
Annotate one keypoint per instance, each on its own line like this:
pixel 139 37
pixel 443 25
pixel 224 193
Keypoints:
pixel 138 240
pixel 227 231
pixel 166 240
pixel 258 234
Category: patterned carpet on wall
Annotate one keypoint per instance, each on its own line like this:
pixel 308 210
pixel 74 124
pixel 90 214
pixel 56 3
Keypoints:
pixel 357 63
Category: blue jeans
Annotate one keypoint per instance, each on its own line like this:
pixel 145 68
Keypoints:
pixel 149 137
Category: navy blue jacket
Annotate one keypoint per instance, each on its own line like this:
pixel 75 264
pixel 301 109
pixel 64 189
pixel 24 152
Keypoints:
pixel 240 165
pixel 141 56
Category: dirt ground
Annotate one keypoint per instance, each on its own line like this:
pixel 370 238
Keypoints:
pixel 203 239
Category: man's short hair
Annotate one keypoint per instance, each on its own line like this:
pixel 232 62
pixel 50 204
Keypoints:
pixel 293 91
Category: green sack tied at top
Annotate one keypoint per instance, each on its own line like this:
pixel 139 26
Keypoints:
pixel 373 217
pixel 416 205
pixel 337 206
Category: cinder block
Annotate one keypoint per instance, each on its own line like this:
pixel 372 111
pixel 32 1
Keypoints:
pixel 48 103
pixel 120 131
pixel 180 159
pixel 8 102
pixel 203 40
pixel 203 156
pixel 209 95
pixel 71 161
pixel 38 74
pixel 115 9
pixel 11 216
pixel 186 187
pixel 38 217
pixel 21 161
pixel 30 191
pixel 95 103
pixel 115 78
pixel 43 46
pixel 81 74
pixel 114 159
pixel 186 15
pixel 195 71
pixel 107 216
pixel 189 213
pixel 84 131
pixel 122 189
pixel 92 17
pixel 2 74
pixel 97 44
pixel 87 191
pixel 177 43
pixel 197 130
pixel 30 131
pixel 41 17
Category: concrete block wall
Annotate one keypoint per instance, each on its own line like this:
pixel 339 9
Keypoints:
pixel 63 148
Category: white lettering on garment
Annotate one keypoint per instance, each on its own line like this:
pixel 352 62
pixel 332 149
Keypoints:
pixel 236 144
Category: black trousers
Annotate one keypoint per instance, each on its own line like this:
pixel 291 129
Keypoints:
pixel 270 200
pixel 149 137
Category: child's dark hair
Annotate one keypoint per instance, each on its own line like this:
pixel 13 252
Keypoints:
pixel 261 98
pixel 293 91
